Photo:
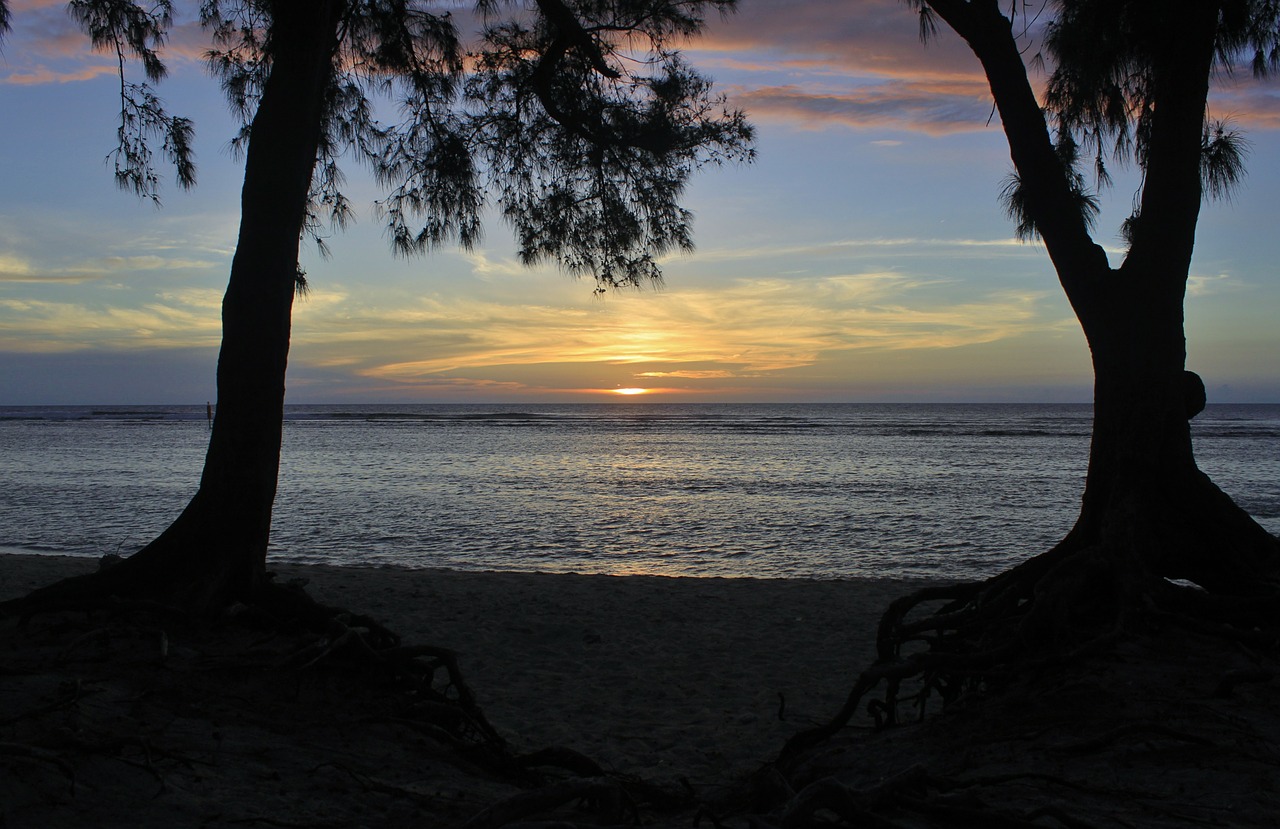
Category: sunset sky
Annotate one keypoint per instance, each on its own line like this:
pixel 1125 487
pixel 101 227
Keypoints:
pixel 863 257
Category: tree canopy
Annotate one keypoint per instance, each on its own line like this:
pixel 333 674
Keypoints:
pixel 578 121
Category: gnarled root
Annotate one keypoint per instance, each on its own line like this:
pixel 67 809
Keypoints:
pixel 939 644
pixel 282 632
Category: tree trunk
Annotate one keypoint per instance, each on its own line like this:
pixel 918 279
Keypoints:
pixel 215 552
pixel 1144 492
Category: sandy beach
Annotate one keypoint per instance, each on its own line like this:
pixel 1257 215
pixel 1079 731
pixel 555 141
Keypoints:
pixel 690 684
pixel 663 678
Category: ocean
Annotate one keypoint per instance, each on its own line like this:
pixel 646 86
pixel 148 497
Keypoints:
pixel 782 490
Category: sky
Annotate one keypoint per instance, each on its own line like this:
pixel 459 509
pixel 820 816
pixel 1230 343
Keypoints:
pixel 863 257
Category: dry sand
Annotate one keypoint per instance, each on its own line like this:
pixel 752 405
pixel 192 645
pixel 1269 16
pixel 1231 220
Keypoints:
pixel 664 678
pixel 657 678
pixel 650 675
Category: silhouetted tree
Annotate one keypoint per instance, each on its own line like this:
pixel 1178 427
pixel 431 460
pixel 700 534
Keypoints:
pixel 1133 79
pixel 576 117
pixel 1129 81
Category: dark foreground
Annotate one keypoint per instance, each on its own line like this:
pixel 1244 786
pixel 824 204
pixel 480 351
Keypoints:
pixel 119 722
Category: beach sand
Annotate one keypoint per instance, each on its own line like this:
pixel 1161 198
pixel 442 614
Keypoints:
pixel 689 683
pixel 661 678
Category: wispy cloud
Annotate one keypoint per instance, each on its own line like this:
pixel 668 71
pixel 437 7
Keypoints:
pixel 40 325
pixel 38 75
pixel 871 37
pixel 748 328
pixel 858 65
pixel 22 6
pixel 16 268
pixel 484 265
pixel 1199 285
pixel 1246 102
pixel 824 63
pixel 931 108
pixel 146 262
pixel 13 267
pixel 902 246
pixel 47 47
pixel 208 299
pixel 691 374
pixel 862 65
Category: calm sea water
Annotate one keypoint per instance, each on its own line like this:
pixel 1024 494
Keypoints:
pixel 725 490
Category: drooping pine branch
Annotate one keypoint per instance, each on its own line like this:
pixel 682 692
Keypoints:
pixel 578 118
pixel 592 123
pixel 133 32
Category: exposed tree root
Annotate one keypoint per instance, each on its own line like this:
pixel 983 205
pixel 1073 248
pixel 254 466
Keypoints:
pixel 1130 737
pixel 604 799
pixel 40 755
pixel 282 639
pixel 941 642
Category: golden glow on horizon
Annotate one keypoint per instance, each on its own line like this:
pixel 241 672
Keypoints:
pixel 630 391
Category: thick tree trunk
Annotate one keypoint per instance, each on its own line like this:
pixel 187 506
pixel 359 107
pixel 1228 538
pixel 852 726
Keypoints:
pixel 215 552
pixel 1144 492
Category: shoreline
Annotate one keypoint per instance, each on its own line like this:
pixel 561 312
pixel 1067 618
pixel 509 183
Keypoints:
pixel 665 677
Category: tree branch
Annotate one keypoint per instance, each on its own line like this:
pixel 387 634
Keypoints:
pixel 571 33
pixel 1164 230
pixel 1051 202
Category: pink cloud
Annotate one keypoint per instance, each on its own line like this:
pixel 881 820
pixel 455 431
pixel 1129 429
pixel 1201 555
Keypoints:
pixel 816 63
pixel 21 6
pixel 934 109
pixel 1246 101
pixel 859 65
pixel 43 33
pixel 43 75
pixel 879 37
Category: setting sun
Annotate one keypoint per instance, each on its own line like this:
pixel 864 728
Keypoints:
pixel 630 391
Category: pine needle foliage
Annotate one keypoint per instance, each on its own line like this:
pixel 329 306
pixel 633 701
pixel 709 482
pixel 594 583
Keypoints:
pixel 591 124
pixel 578 120
pixel 1102 59
pixel 132 31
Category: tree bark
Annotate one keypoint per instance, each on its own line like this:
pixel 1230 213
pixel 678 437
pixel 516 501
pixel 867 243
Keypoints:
pixel 215 552
pixel 1144 493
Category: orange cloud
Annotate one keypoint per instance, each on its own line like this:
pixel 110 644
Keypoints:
pixel 47 47
pixel 878 37
pixel 1246 101
pixel 44 75
pixel 932 108
pixel 21 6
pixel 861 65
